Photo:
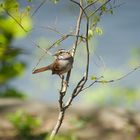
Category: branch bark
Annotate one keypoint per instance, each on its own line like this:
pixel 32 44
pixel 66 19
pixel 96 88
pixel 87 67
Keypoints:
pixel 82 82
pixel 64 84
pixel 58 124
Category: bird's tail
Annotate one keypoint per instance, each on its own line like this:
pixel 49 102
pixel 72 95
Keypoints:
pixel 42 69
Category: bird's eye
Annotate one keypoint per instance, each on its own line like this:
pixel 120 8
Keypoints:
pixel 60 51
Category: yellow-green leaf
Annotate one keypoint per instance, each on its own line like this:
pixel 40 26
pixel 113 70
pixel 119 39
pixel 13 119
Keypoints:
pixel 99 31
pixel 93 78
pixel 103 81
pixel 90 33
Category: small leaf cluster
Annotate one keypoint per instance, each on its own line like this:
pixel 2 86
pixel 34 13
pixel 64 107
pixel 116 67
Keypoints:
pixel 55 1
pixel 11 12
pixel 10 65
pixel 24 123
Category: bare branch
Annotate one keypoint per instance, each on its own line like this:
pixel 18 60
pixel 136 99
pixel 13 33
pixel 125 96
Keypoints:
pixel 77 32
pixel 92 83
pixel 122 77
pixel 14 19
pixel 80 7
pixel 116 6
pixel 58 124
pixel 39 60
pixel 62 39
pixel 64 84
pixel 51 29
pixel 82 82
pixel 110 81
pixel 73 95
pixel 92 3
pixel 36 10
pixel 99 8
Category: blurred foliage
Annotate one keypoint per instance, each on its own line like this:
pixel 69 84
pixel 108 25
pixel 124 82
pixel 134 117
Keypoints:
pixel 12 92
pixel 65 137
pixel 55 1
pixel 135 57
pixel 79 122
pixel 10 65
pixel 26 126
pixel 138 138
pixel 106 94
pixel 24 123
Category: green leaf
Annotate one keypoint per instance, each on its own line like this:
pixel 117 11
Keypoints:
pixel 10 26
pixel 103 81
pixel 93 78
pixel 3 40
pixel 102 1
pixel 58 43
pixel 24 122
pixel 111 11
pixel 96 19
pixel 99 31
pixel 12 93
pixel 2 5
pixel 55 1
pixel 90 33
pixel 28 8
pixel 90 1
pixel 11 5
pixel 29 0
pixel 103 8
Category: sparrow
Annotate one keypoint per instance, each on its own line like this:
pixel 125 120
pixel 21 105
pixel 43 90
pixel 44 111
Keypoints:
pixel 62 64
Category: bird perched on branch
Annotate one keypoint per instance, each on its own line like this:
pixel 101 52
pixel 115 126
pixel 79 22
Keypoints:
pixel 62 64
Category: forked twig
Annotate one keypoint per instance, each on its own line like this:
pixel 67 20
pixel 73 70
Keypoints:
pixel 83 80
pixel 63 85
pixel 81 85
pixel 110 81
pixel 99 8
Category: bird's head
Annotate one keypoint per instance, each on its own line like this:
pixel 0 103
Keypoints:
pixel 60 52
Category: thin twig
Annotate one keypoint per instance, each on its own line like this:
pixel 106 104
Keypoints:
pixel 82 82
pixel 92 83
pixel 36 10
pixel 63 85
pixel 122 77
pixel 58 124
pixel 68 103
pixel 92 3
pixel 84 79
pixel 111 81
pixel 77 32
pixel 15 19
pixel 51 29
pixel 99 8
pixel 61 112
pixel 115 6
pixel 39 60
pixel 87 48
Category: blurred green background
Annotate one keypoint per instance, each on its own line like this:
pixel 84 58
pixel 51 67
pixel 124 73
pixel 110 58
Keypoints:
pixel 114 53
